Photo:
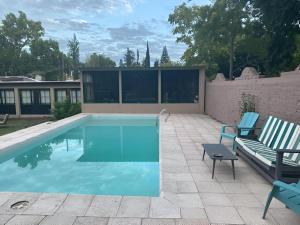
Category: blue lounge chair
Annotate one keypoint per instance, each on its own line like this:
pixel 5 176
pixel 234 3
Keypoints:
pixel 288 194
pixel 245 127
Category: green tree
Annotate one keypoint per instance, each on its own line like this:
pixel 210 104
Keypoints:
pixel 121 63
pixel 137 57
pixel 99 60
pixel 281 19
pixel 164 59
pixel 147 59
pixel 16 35
pixel 20 31
pixel 156 63
pixel 227 20
pixel 73 53
pixel 225 36
pixel 129 58
pixel 46 58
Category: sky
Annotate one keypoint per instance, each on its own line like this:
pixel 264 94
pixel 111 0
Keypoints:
pixel 106 26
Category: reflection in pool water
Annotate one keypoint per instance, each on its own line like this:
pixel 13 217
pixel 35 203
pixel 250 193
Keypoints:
pixel 100 156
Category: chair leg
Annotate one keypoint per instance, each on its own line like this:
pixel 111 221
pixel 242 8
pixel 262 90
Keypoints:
pixel 220 139
pixel 270 197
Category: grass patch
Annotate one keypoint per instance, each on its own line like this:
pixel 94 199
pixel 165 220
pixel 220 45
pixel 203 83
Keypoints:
pixel 18 124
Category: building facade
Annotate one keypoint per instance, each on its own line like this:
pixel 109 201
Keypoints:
pixel 25 98
pixel 143 90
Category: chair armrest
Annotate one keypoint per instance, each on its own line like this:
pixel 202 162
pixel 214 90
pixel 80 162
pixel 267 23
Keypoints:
pixel 282 151
pixel 248 128
pixel 240 129
pixel 280 167
pixel 223 128
pixel 289 187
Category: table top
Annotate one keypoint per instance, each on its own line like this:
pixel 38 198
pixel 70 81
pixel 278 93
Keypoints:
pixel 212 149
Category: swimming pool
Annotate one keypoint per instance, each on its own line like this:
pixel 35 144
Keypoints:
pixel 103 155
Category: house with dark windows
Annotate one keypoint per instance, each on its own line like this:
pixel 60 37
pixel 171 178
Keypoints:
pixel 143 90
pixel 22 96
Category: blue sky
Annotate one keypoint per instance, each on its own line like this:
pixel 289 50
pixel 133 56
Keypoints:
pixel 105 26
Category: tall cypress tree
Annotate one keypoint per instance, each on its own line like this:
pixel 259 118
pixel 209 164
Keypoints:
pixel 137 57
pixel 147 59
pixel 165 59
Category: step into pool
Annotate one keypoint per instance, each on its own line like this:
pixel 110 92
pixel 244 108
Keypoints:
pixel 102 155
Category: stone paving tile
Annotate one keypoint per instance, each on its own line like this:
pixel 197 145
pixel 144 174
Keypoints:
pixel 158 222
pixel 124 221
pixel 58 220
pixel 75 205
pixel 215 199
pixel 5 218
pixel 4 196
pixel 91 221
pixel 193 213
pixel 188 201
pixel 209 187
pixel 15 197
pixel 262 198
pixel 235 188
pixel 46 204
pixel 104 206
pixel 247 200
pixel 259 188
pixel 25 220
pixel 285 216
pixel 186 187
pixel 134 207
pixel 191 222
pixel 162 208
pixel 221 214
pixel 199 177
pixel 253 216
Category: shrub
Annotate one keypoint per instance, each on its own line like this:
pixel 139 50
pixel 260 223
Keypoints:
pixel 66 109
pixel 247 103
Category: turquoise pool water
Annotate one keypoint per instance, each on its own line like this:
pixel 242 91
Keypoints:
pixel 104 155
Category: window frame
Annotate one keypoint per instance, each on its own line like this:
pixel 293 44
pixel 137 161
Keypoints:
pixel 180 87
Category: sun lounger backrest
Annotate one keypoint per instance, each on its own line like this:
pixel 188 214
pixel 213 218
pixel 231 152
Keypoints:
pixel 248 120
pixel 269 130
pixel 294 143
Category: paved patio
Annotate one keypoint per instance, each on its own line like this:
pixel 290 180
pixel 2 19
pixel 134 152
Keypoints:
pixel 189 196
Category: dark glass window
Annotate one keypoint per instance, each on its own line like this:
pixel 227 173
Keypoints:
pixel 35 101
pixel 179 86
pixel 7 101
pixel 101 87
pixel 75 95
pixel 60 95
pixel 140 86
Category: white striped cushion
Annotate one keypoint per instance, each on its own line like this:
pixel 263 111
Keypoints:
pixel 269 130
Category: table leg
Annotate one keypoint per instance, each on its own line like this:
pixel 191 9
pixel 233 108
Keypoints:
pixel 203 154
pixel 213 172
pixel 232 163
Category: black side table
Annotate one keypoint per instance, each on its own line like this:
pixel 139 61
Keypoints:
pixel 219 152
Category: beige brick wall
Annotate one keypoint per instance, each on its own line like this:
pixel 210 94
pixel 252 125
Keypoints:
pixel 278 96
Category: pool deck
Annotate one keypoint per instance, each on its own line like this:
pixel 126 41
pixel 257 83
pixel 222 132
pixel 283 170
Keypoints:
pixel 189 196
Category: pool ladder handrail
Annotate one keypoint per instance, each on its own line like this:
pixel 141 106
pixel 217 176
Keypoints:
pixel 161 113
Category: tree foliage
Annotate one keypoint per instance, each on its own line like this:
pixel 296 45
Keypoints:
pixel 73 53
pixel 281 19
pixel 24 51
pixel 228 35
pixel 66 109
pixel 164 59
pixel 46 56
pixel 99 60
pixel 129 58
pixel 147 59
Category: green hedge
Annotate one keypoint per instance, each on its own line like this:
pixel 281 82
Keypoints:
pixel 66 109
